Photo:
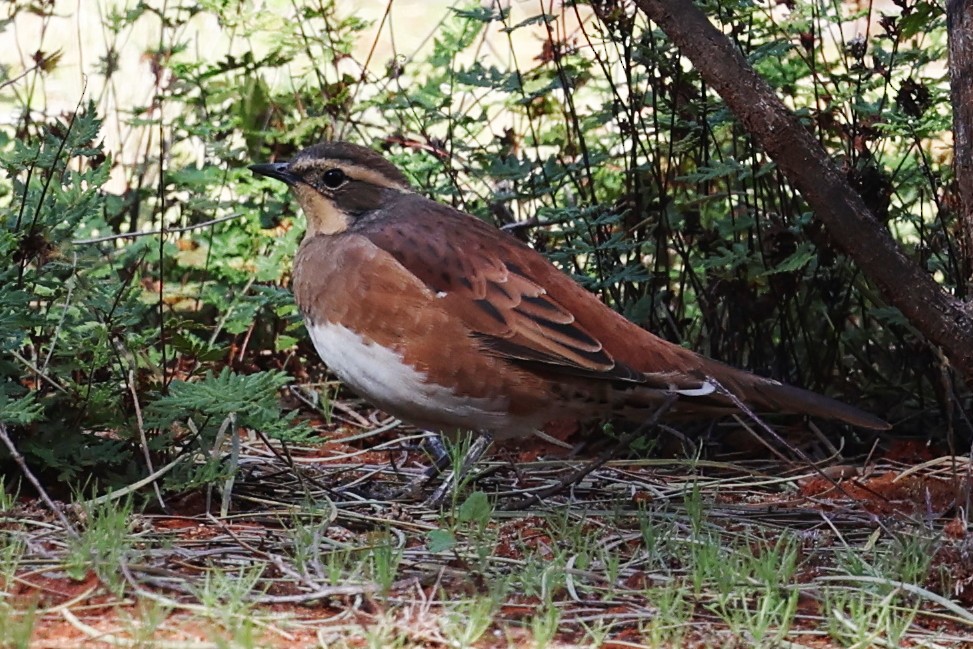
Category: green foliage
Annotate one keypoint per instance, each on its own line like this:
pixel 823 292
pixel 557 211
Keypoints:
pixel 252 400
pixel 66 333
pixel 103 542
pixel 80 336
pixel 473 516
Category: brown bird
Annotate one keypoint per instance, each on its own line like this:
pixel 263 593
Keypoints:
pixel 450 324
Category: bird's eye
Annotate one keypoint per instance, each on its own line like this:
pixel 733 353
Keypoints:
pixel 334 178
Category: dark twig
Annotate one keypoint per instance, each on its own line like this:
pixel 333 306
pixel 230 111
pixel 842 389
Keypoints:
pixel 19 459
pixel 152 233
pixel 535 497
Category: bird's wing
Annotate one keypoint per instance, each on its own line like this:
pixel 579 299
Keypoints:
pixel 523 308
pixel 507 294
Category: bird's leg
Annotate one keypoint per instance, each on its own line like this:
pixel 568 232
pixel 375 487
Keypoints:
pixel 455 478
pixel 432 446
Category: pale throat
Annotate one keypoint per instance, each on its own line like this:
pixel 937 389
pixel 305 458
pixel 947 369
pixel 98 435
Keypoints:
pixel 323 216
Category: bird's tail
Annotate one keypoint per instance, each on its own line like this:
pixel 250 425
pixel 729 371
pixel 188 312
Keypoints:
pixel 764 394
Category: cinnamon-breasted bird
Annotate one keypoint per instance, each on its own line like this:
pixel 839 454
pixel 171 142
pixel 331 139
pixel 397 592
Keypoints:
pixel 450 324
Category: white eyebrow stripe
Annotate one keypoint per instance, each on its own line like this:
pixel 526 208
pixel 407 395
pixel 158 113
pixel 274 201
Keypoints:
pixel 352 170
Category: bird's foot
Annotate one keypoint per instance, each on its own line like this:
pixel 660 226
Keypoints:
pixel 432 446
pixel 457 477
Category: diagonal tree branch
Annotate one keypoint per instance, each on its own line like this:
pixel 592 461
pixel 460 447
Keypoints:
pixel 940 317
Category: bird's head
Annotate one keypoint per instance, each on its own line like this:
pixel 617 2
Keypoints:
pixel 336 183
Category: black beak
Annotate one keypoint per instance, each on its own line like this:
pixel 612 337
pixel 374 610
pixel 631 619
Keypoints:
pixel 277 170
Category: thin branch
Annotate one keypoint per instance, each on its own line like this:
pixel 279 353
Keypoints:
pixel 152 233
pixel 902 282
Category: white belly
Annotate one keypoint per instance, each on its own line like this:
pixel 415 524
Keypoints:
pixel 381 376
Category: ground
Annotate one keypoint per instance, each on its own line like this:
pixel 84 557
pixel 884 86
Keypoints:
pixel 303 548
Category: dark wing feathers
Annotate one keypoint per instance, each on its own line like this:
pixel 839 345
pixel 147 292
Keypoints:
pixel 479 279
